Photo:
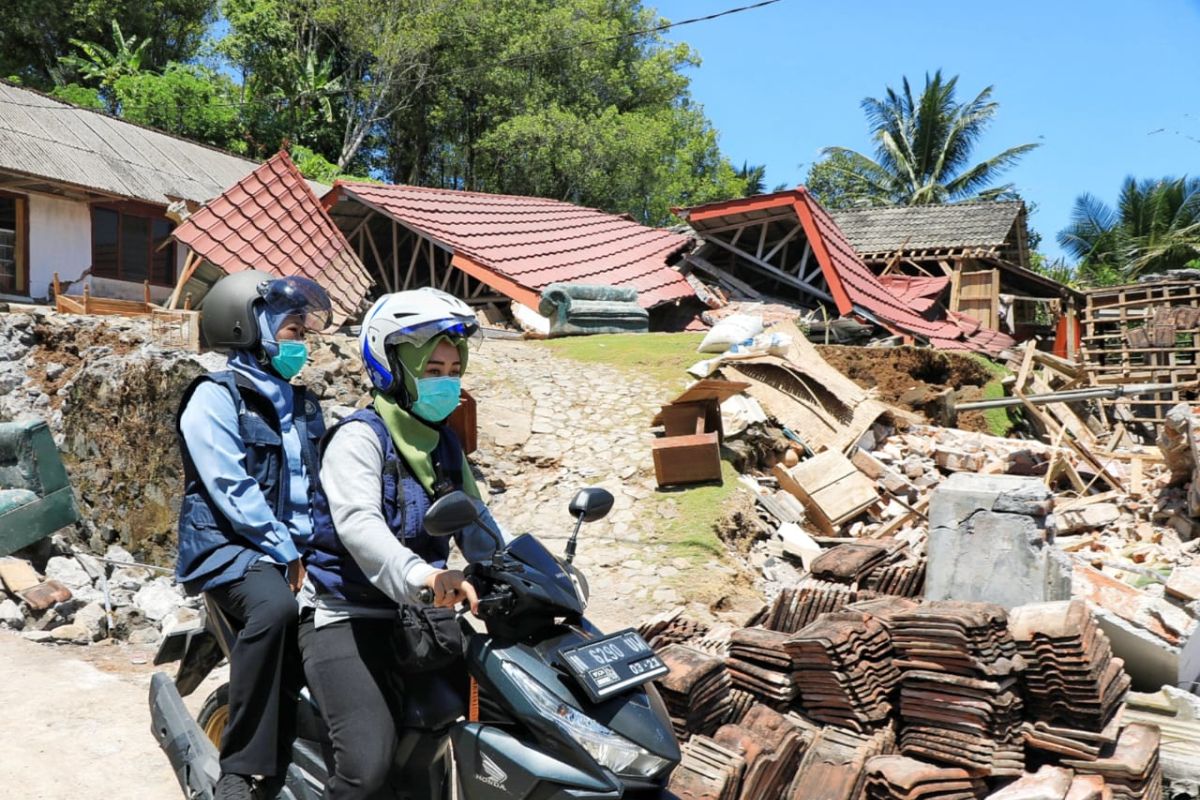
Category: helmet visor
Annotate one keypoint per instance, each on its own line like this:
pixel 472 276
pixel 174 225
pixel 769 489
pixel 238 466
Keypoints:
pixel 296 296
pixel 455 328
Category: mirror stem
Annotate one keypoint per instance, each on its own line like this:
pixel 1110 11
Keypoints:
pixel 570 554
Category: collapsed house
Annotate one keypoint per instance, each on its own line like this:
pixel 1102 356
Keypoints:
pixel 955 277
pixel 491 249
pixel 982 248
pixel 84 195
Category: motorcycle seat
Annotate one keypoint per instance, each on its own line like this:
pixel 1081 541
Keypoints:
pixel 432 701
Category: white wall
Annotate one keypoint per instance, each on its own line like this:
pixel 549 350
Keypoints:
pixel 60 240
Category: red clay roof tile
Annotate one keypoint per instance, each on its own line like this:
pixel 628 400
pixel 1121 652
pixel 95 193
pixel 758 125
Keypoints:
pixel 536 241
pixel 271 220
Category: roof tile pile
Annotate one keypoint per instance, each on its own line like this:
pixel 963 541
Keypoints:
pixel 707 771
pixel 270 220
pixel 1071 677
pixel 799 605
pixel 759 664
pixel 1132 771
pixel 902 778
pixel 844 670
pixel 696 690
pixel 535 241
pixel 960 701
pixel 771 746
pixel 834 766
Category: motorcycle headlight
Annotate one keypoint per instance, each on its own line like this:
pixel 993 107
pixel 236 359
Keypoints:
pixel 608 747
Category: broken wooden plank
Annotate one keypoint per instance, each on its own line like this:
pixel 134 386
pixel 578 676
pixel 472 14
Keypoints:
pixel 17 575
pixel 830 487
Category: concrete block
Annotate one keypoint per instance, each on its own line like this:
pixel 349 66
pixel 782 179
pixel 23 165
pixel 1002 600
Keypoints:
pixel 979 551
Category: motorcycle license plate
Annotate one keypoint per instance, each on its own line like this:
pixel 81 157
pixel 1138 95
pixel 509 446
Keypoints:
pixel 612 664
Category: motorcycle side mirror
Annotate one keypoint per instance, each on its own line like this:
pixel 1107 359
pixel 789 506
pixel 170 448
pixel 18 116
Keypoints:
pixel 450 514
pixel 592 504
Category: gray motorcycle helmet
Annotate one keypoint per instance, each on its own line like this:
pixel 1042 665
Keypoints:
pixel 227 314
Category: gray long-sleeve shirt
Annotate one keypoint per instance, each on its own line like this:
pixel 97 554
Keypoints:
pixel 351 471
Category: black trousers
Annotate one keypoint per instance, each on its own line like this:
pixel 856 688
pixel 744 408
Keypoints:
pixel 264 672
pixel 349 667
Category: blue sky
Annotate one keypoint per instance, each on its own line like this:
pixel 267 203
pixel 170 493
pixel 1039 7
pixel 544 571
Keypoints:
pixel 1088 80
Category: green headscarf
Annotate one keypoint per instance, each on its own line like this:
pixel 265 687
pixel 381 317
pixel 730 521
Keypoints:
pixel 415 439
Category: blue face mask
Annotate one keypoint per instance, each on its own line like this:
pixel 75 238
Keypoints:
pixel 437 398
pixel 290 359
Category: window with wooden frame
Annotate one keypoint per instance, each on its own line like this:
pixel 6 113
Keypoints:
pixel 14 244
pixel 132 243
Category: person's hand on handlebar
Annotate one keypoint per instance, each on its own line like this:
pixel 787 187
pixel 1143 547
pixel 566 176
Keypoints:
pixel 450 587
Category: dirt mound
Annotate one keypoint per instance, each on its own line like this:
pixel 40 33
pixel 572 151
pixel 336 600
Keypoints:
pixel 911 377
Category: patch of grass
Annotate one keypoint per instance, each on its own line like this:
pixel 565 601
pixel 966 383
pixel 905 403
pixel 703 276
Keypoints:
pixel 1000 421
pixel 692 533
pixel 662 356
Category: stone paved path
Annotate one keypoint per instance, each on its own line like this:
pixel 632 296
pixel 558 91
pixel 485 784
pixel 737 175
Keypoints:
pixel 549 426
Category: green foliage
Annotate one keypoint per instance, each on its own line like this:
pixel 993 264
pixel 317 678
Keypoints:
pixel 82 96
pixel 833 181
pixel 103 67
pixel 316 167
pixel 1058 270
pixel 663 357
pixel 1155 228
pixel 186 100
pixel 755 178
pixel 923 150
pixel 35 34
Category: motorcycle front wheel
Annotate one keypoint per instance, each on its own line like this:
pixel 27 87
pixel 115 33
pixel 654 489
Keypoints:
pixel 214 715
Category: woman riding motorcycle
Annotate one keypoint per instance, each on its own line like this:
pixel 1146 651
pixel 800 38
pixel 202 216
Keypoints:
pixel 381 468
pixel 249 444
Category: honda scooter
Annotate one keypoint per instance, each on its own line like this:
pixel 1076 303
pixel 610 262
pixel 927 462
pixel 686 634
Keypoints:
pixel 553 709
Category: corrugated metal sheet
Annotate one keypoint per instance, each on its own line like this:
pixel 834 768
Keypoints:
pixel 45 138
pixel 933 227
pixel 272 221
pixel 535 241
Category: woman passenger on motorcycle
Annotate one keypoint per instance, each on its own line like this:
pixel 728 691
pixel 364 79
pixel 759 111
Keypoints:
pixel 249 442
pixel 381 468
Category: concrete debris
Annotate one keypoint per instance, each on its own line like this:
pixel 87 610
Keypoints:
pixel 158 599
pixel 983 526
pixel 11 616
pixel 1176 714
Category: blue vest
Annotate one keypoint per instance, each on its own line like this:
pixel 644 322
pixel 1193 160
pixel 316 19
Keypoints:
pixel 211 553
pixel 404 502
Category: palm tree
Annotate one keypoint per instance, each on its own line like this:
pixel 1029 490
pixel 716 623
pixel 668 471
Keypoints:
pixel 1155 227
pixel 105 67
pixel 923 149
pixel 754 178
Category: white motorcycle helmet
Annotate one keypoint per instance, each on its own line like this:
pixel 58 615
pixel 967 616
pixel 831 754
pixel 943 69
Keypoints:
pixel 414 317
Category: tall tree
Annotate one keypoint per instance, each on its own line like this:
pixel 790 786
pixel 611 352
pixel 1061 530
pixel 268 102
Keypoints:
pixel 1155 227
pixel 103 67
pixel 34 34
pixel 755 178
pixel 924 149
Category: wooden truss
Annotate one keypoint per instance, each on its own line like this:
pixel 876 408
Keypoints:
pixel 400 258
pixel 771 255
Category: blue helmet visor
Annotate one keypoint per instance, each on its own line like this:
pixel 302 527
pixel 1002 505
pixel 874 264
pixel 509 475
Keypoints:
pixel 296 296
pixel 455 328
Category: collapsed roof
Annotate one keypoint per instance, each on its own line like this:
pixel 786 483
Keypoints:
pixel 787 242
pixel 270 220
pixel 519 245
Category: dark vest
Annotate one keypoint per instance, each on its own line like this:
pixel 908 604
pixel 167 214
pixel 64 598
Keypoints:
pixel 404 502
pixel 211 553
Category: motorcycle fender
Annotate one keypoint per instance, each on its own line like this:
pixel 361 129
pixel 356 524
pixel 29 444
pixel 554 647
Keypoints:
pixel 193 758
pixel 493 764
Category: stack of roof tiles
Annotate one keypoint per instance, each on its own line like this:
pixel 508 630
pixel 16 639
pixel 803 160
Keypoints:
pixel 771 745
pixel 706 771
pixel 670 627
pixel 833 767
pixel 801 604
pixel 905 578
pixel 959 696
pixel 853 561
pixel 844 669
pixel 902 778
pixel 1132 770
pixel 696 690
pixel 759 664
pixel 1071 676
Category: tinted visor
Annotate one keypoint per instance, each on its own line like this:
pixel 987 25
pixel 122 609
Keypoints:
pixel 296 296
pixel 422 333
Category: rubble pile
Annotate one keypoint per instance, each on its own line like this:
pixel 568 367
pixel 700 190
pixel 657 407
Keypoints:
pixel 77 598
pixel 899 697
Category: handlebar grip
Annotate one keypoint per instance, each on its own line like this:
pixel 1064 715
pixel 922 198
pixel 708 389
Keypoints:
pixel 425 595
